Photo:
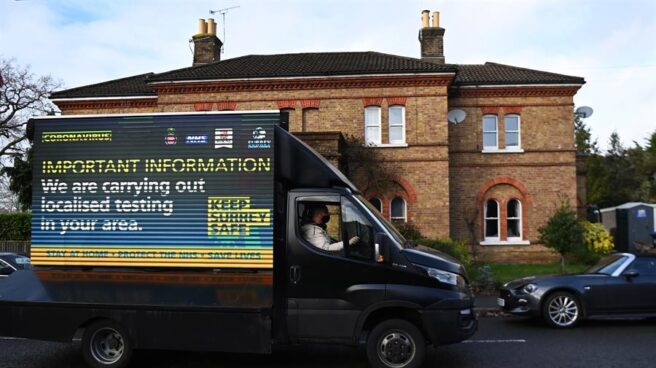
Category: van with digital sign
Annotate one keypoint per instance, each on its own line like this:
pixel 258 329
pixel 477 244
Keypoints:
pixel 218 231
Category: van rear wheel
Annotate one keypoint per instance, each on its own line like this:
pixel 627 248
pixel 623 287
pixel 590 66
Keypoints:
pixel 396 343
pixel 105 344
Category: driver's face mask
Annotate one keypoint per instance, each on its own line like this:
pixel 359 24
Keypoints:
pixel 325 218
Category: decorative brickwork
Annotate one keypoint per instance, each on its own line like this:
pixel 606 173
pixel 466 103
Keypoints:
pixel 203 106
pixel 310 103
pixel 226 105
pixel 286 104
pixel 372 101
pixel 396 101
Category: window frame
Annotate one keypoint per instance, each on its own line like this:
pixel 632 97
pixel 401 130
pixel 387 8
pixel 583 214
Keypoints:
pixel 496 132
pixel 518 147
pixel 402 125
pixel 518 218
pixel 379 139
pixel 486 218
pixel 405 210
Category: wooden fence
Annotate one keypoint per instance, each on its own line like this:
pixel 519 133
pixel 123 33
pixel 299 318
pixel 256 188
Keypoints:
pixel 20 247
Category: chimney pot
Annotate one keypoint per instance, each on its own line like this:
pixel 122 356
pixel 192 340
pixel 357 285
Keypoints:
pixel 424 18
pixel 436 19
pixel 211 26
pixel 202 26
pixel 207 47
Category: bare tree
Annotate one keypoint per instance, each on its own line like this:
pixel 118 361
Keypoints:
pixel 8 200
pixel 22 95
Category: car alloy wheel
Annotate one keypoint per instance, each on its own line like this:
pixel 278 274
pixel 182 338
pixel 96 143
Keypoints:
pixel 562 310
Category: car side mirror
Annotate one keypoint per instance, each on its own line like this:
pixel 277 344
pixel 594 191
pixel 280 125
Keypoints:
pixel 6 271
pixel 631 274
pixel 381 248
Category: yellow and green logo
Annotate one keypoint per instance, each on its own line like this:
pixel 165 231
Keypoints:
pixel 76 137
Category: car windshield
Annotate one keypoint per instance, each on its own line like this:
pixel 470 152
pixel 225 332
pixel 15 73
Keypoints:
pixel 18 261
pixel 395 233
pixel 608 265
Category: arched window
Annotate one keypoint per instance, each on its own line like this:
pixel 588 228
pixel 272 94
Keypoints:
pixel 399 211
pixel 490 132
pixel 511 125
pixel 396 117
pixel 376 202
pixel 514 220
pixel 491 212
pixel 372 131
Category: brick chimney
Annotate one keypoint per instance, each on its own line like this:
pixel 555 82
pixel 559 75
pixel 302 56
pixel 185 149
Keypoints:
pixel 431 38
pixel 207 47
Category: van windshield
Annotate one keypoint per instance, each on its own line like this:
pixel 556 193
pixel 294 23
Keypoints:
pixel 388 225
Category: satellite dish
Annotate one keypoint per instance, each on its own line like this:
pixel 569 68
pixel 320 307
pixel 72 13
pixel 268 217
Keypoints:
pixel 584 111
pixel 456 116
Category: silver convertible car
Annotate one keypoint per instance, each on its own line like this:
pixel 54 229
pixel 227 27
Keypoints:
pixel 621 284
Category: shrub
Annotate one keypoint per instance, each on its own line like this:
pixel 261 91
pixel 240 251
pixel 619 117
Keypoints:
pixel 409 230
pixel 563 232
pixel 15 226
pixel 456 249
pixel 597 243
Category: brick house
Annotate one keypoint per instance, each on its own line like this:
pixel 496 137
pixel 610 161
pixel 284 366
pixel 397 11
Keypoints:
pixel 491 179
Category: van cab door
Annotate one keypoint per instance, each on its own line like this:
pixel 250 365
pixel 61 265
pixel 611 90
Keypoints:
pixel 332 275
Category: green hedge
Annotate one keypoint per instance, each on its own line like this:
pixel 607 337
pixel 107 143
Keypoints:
pixel 457 249
pixel 15 226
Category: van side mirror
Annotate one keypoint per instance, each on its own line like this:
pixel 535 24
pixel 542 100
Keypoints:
pixel 381 248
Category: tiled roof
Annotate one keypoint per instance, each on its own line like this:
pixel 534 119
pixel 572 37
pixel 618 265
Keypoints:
pixel 305 65
pixel 129 86
pixel 493 73
pixel 319 64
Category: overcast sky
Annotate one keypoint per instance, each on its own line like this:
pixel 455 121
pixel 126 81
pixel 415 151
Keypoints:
pixel 611 43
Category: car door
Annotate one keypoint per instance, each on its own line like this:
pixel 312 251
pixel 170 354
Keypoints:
pixel 640 279
pixel 328 289
pixel 634 289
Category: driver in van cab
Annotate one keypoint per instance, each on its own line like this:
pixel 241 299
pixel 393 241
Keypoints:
pixel 314 230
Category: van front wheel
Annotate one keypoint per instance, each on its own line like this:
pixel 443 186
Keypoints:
pixel 396 343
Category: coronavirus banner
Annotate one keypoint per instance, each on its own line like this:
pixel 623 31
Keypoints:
pixel 179 190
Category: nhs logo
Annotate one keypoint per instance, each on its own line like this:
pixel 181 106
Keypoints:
pixel 197 139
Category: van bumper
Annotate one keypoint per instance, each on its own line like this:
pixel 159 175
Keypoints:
pixel 450 321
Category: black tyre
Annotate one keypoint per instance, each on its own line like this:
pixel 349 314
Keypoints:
pixel 105 344
pixel 562 310
pixel 396 343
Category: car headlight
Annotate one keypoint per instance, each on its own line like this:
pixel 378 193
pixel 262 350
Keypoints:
pixel 529 288
pixel 446 277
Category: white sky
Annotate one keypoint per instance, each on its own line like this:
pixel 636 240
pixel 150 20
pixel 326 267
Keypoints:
pixel 611 43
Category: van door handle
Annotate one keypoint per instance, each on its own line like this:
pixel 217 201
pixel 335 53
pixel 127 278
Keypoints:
pixel 295 274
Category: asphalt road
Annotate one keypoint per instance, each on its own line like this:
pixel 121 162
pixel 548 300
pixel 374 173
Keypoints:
pixel 500 342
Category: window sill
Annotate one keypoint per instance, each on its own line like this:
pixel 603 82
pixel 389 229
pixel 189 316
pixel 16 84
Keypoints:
pixel 388 145
pixel 504 150
pixel 505 242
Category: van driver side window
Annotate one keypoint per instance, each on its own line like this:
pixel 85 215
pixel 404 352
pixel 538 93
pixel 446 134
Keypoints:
pixel 338 228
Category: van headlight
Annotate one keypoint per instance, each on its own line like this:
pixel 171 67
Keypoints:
pixel 446 277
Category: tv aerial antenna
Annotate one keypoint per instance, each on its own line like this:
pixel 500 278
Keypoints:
pixel 223 13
